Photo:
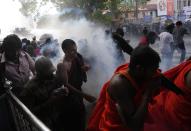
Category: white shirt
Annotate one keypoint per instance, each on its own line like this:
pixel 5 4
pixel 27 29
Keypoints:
pixel 166 39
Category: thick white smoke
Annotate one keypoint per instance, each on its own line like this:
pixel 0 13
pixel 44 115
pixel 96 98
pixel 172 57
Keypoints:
pixel 11 17
pixel 98 49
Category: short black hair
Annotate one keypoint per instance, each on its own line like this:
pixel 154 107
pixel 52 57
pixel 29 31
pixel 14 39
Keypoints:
pixel 179 23
pixel 144 56
pixel 151 34
pixel 145 31
pixel 67 43
pixel 170 27
pixel 11 42
pixel 120 31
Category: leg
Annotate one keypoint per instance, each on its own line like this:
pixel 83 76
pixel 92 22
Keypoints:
pixel 169 58
pixel 182 49
pixel 183 54
pixel 163 62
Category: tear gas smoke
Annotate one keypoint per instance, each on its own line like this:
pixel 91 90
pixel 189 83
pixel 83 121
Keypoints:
pixel 11 17
pixel 98 50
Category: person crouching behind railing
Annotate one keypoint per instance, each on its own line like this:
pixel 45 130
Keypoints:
pixel 41 94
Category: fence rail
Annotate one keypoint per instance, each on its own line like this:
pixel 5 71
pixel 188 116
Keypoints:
pixel 19 115
pixel 24 119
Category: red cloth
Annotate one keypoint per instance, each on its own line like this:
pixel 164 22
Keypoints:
pixel 172 112
pixel 105 116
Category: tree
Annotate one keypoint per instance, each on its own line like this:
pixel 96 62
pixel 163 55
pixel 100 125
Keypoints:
pixel 28 7
pixel 93 8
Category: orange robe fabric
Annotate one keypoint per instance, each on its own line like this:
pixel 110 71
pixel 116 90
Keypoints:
pixel 105 116
pixel 172 112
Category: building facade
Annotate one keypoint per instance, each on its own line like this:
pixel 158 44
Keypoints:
pixel 179 5
pixel 182 3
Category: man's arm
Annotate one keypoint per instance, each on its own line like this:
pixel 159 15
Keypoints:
pixel 31 63
pixel 62 77
pixel 61 73
pixel 186 31
pixel 122 43
pixel 84 66
pixel 27 95
pixel 123 93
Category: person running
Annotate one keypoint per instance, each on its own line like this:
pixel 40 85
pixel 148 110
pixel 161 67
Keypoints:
pixel 179 33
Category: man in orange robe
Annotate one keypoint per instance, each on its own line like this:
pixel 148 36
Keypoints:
pixel 123 102
pixel 172 112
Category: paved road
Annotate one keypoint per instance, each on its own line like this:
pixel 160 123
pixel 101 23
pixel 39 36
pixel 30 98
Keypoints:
pixel 176 56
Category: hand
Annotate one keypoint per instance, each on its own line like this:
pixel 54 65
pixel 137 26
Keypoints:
pixel 90 98
pixel 152 87
pixel 85 67
pixel 61 91
pixel 128 41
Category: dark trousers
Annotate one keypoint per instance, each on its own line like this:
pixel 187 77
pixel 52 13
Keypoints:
pixel 72 116
pixel 181 48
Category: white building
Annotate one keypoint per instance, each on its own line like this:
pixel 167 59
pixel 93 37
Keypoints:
pixel 178 6
pixel 152 2
pixel 182 3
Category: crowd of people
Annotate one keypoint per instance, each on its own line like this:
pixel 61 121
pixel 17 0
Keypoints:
pixel 134 99
pixel 55 98
pixel 172 39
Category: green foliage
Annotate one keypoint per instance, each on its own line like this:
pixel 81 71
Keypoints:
pixel 94 8
pixel 101 18
pixel 129 3
pixel 143 1
pixel 28 7
pixel 71 3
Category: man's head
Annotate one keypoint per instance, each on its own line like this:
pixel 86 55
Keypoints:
pixel 120 32
pixel 69 47
pixel 179 23
pixel 144 62
pixel 34 38
pixel 145 31
pixel 107 32
pixel 170 28
pixel 44 67
pixel 24 40
pixel 152 36
pixel 11 46
pixel 48 40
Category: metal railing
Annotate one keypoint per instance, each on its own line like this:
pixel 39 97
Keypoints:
pixel 22 117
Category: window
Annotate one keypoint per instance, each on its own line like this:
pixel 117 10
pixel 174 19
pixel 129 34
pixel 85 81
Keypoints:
pixel 184 2
pixel 179 4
